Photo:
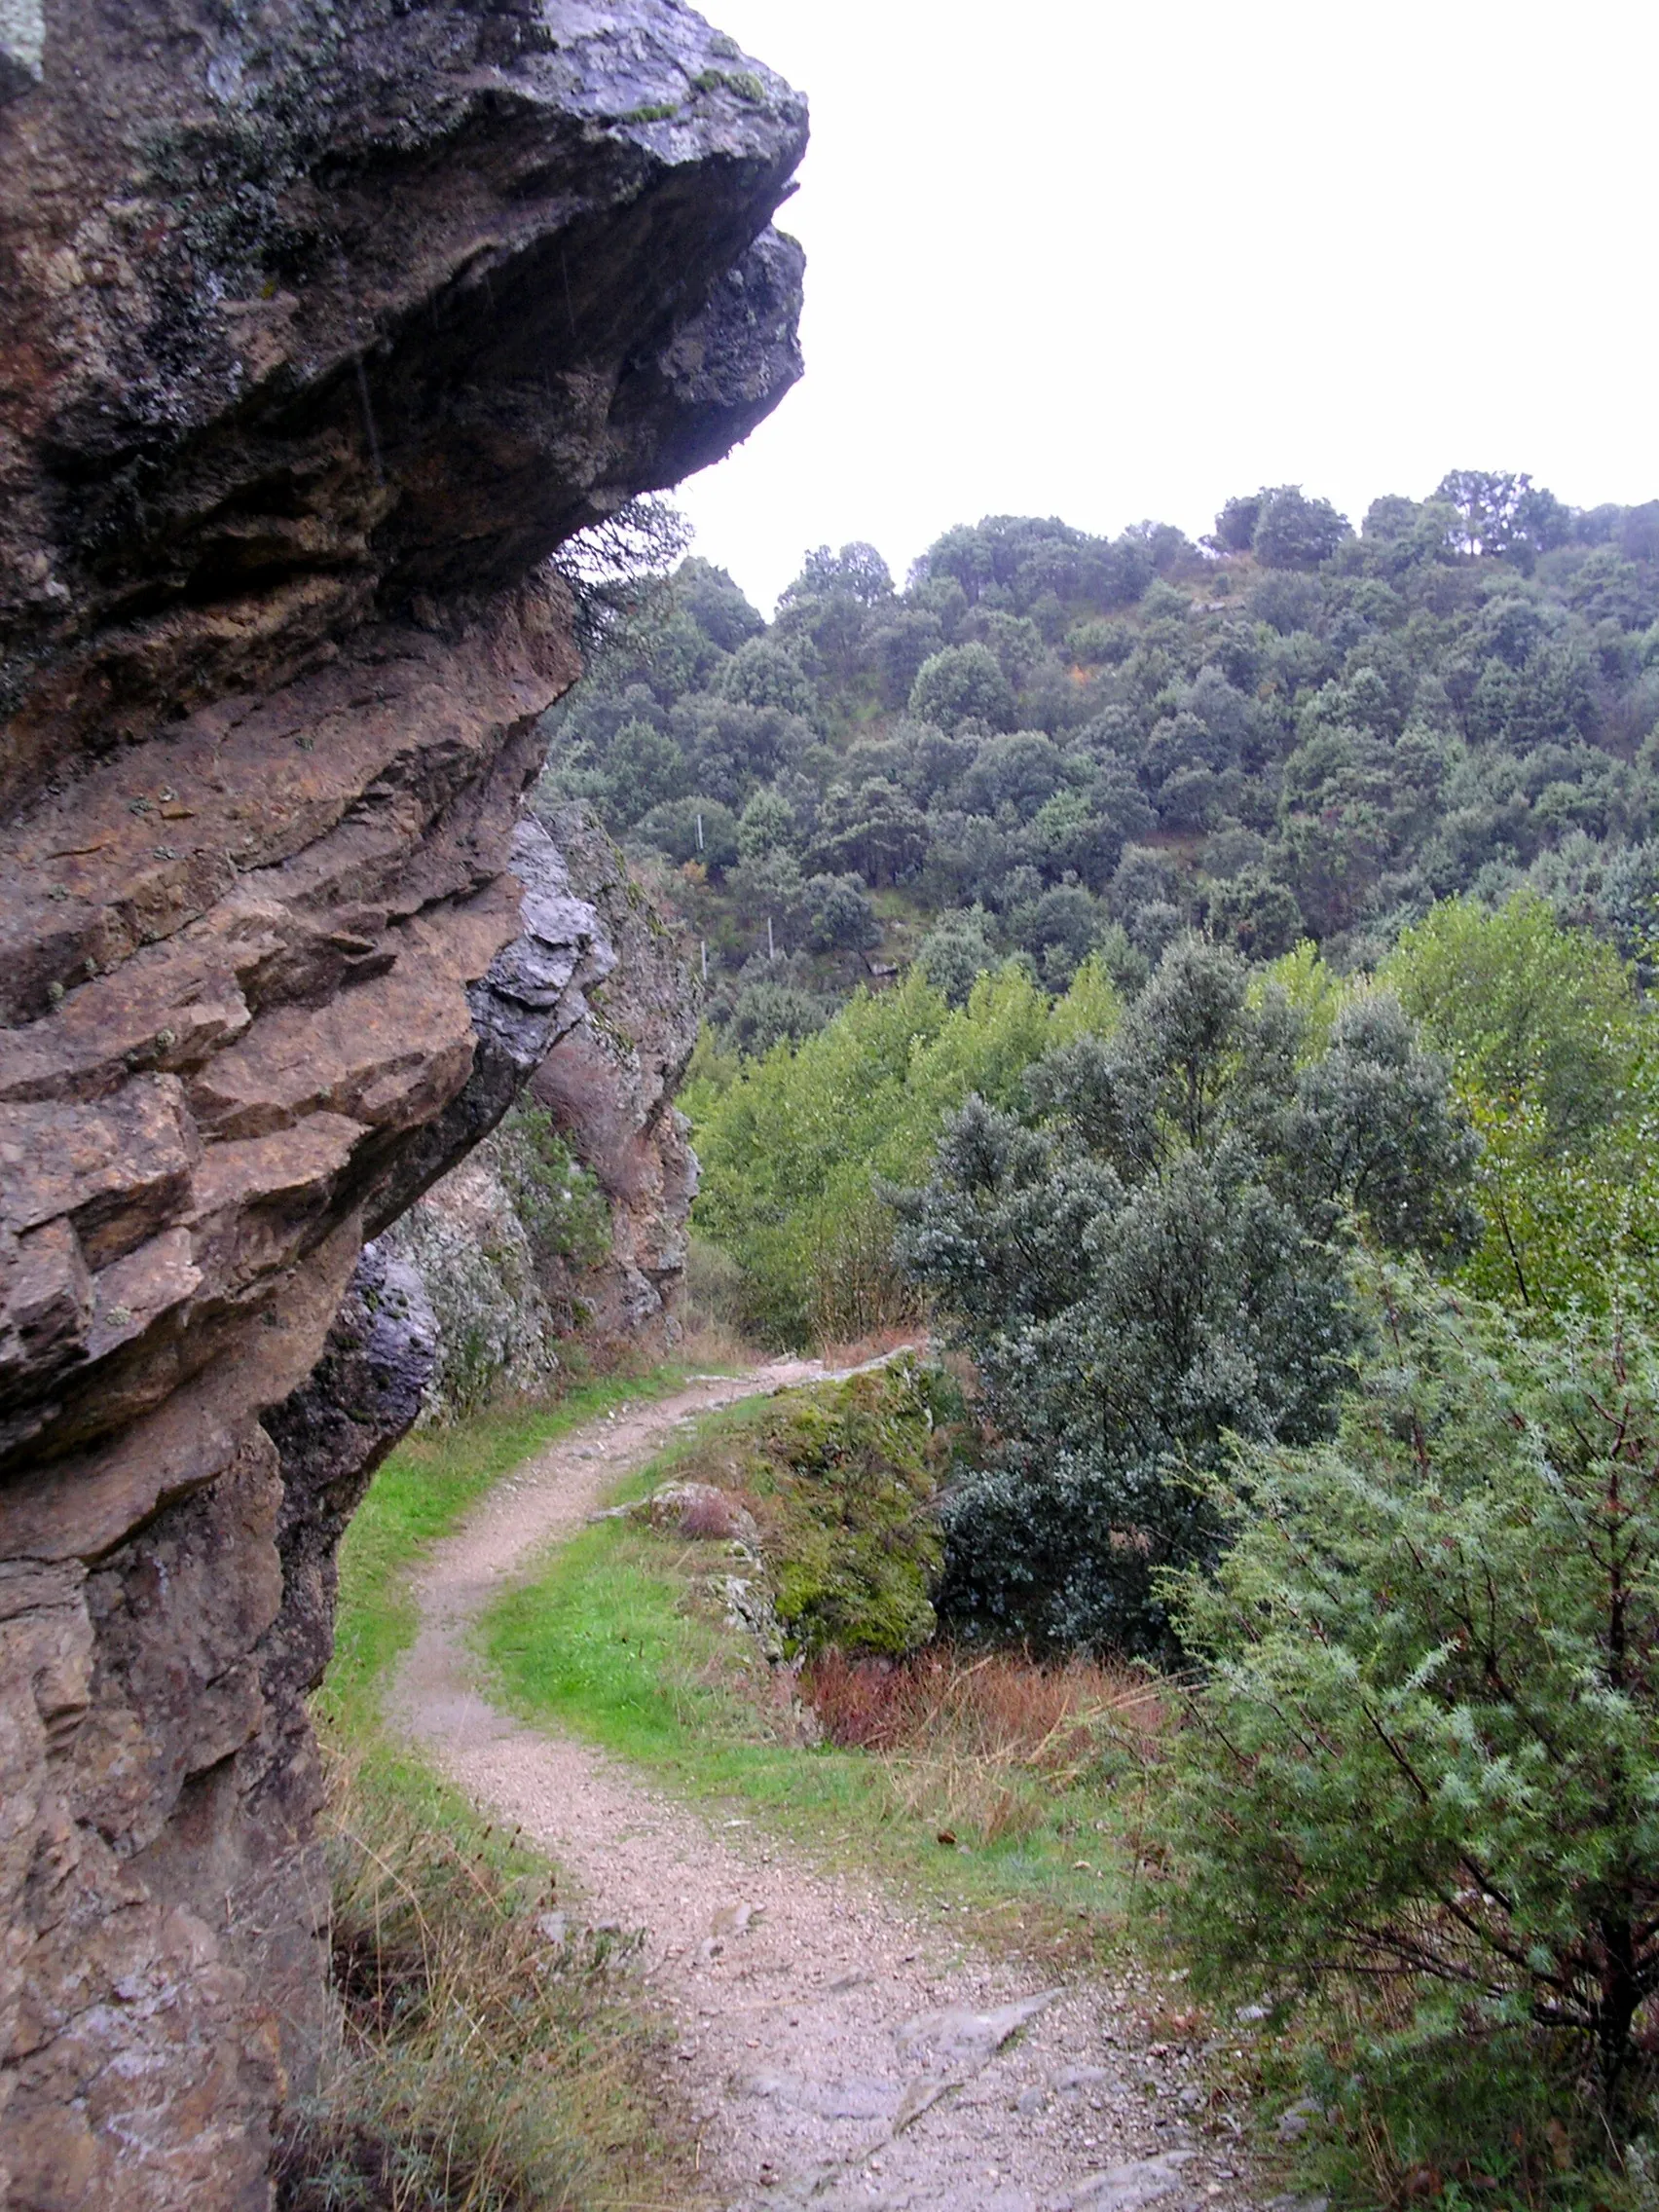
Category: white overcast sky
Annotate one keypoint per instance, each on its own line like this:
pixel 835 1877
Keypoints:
pixel 1112 262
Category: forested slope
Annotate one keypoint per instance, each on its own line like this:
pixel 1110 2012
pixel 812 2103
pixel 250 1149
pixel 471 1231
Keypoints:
pixel 1050 743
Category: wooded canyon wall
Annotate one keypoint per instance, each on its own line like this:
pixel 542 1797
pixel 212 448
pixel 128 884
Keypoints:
pixel 323 327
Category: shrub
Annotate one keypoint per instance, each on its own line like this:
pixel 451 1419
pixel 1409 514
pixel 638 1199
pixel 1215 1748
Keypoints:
pixel 1149 1256
pixel 1424 1753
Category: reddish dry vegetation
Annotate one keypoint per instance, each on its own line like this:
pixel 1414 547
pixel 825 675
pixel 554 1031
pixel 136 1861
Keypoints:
pixel 878 1343
pixel 1001 1706
pixel 714 1515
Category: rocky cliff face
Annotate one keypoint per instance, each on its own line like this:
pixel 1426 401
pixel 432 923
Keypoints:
pixel 504 1284
pixel 323 325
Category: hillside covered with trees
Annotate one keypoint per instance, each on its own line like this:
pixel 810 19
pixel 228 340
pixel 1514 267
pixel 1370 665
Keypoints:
pixel 1209 986
pixel 1051 743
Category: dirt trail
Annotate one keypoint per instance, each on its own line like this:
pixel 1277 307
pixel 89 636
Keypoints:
pixel 841 2049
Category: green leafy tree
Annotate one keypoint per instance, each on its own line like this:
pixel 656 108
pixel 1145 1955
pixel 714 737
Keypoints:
pixel 763 674
pixel 857 571
pixel 1236 525
pixel 643 768
pixel 1549 1050
pixel 767 825
pixel 842 916
pixel 699 829
pixel 793 1151
pixel 1295 532
pixel 960 682
pixel 1492 508
pixel 956 952
pixel 878 828
pixel 1020 771
pixel 765 1015
pixel 716 605
pixel 1255 913
pixel 1153 1260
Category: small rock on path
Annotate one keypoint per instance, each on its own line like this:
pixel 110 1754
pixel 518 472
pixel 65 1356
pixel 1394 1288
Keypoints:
pixel 841 2049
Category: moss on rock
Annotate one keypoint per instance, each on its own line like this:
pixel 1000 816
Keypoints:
pixel 842 1480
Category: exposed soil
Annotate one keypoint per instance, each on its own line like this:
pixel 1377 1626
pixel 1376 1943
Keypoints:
pixel 840 2048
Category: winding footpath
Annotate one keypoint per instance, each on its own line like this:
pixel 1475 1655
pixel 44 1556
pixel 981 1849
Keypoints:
pixel 840 2049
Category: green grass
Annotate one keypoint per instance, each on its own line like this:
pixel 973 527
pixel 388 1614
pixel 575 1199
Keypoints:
pixel 420 1495
pixel 491 2080
pixel 616 1639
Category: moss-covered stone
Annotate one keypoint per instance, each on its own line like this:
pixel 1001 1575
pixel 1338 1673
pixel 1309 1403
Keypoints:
pixel 842 1480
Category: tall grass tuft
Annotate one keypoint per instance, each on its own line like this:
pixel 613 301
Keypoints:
pixel 492 2055
pixel 983 1743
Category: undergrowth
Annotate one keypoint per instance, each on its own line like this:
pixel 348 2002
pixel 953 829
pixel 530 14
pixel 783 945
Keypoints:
pixel 493 2057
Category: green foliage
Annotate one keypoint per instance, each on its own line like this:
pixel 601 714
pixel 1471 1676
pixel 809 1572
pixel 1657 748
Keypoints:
pixel 1423 1753
pixel 1527 1011
pixel 960 682
pixel 1549 1049
pixel 1319 733
pixel 955 953
pixel 1293 531
pixel 1148 1258
pixel 792 1150
pixel 565 1212
pixel 766 1014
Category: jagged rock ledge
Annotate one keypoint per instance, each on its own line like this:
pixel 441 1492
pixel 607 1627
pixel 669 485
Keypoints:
pixel 506 1296
pixel 324 325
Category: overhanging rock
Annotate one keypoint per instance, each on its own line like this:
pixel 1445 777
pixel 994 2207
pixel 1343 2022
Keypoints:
pixel 325 325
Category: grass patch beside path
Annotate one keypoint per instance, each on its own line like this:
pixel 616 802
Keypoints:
pixel 622 1638
pixel 490 2059
pixel 420 1495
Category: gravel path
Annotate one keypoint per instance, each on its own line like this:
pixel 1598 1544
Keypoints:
pixel 841 2049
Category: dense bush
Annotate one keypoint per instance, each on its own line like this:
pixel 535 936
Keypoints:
pixel 565 1212
pixel 1423 1752
pixel 1143 1252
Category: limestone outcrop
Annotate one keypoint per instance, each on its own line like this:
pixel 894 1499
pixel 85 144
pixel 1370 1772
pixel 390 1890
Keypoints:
pixel 325 325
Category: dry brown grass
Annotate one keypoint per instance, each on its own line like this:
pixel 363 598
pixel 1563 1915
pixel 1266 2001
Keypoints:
pixel 491 2057
pixel 983 1744
pixel 874 1344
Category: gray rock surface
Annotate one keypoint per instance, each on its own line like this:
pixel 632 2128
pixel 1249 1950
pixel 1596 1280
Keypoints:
pixel 597 1008
pixel 609 1083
